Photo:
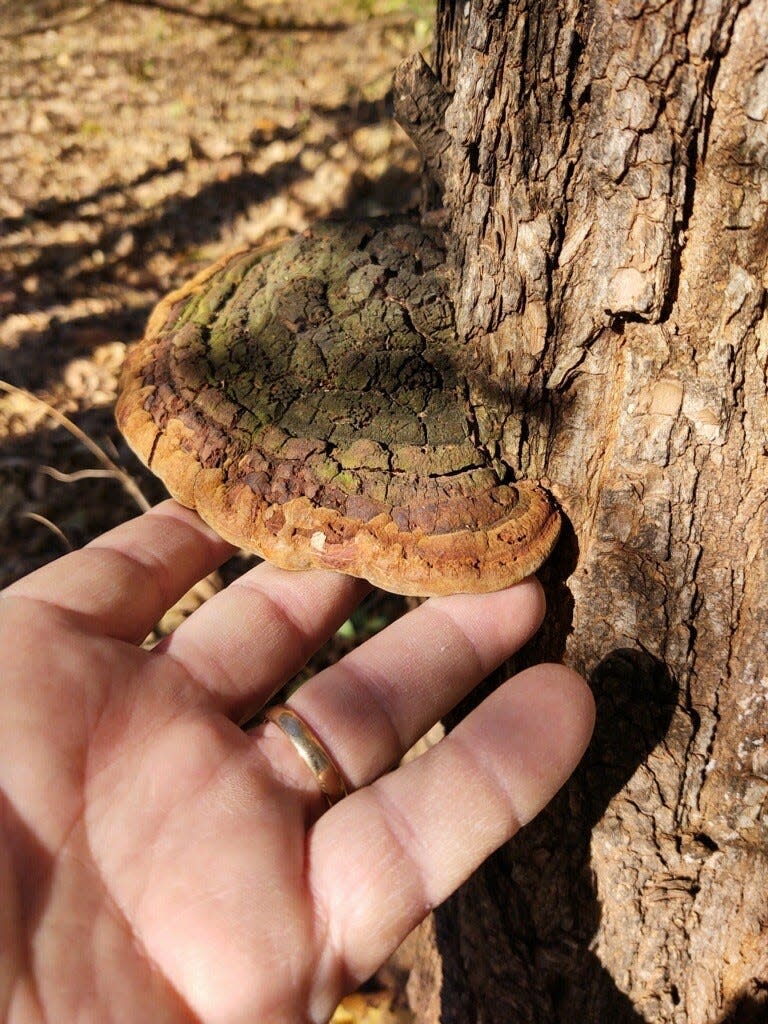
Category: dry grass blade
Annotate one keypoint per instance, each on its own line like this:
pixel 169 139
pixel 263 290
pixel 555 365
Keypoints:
pixel 50 526
pixel 197 595
pixel 127 482
pixel 80 474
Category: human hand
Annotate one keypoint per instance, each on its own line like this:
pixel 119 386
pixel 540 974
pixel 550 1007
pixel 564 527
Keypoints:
pixel 159 863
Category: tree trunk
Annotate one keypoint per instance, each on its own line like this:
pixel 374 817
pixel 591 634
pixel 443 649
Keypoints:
pixel 604 170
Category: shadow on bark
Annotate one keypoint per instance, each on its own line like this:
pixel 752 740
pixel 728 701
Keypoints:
pixel 751 1008
pixel 515 941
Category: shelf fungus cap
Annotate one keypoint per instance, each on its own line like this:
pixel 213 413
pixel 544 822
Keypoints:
pixel 313 403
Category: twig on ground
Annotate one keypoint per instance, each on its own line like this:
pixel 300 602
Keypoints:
pixel 127 482
pixel 247 24
pixel 79 14
pixel 214 17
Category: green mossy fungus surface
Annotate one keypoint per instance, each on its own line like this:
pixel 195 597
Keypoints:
pixel 330 368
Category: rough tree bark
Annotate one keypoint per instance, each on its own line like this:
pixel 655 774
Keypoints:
pixel 604 170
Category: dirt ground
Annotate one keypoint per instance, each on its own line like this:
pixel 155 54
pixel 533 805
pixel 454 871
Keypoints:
pixel 136 145
pixel 140 139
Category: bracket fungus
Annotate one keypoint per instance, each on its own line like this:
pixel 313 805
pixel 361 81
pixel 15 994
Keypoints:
pixel 314 404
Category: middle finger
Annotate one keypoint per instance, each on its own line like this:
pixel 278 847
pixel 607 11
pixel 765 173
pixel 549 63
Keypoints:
pixel 249 640
pixel 373 704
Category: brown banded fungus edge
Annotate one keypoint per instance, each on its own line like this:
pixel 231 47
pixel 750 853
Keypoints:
pixel 315 406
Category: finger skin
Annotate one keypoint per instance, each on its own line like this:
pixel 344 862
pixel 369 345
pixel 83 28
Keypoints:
pixel 413 836
pixel 372 705
pixel 124 581
pixel 245 642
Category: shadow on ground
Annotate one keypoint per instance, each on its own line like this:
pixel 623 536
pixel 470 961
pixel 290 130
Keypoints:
pixel 178 224
pixel 129 283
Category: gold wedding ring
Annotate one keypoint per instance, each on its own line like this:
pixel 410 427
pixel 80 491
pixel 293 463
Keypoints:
pixel 311 750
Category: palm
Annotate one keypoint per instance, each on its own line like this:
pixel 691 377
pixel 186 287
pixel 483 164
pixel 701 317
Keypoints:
pixel 173 866
pixel 182 826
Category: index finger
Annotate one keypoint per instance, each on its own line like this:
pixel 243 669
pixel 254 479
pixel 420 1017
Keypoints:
pixel 124 581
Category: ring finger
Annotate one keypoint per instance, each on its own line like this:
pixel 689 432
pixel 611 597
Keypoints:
pixel 371 706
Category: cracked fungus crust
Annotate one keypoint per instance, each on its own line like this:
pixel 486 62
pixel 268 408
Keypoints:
pixel 309 402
